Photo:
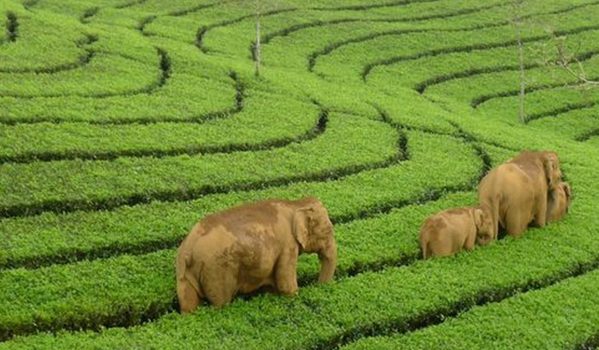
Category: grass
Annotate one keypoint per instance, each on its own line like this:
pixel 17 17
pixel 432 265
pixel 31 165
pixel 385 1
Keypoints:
pixel 123 122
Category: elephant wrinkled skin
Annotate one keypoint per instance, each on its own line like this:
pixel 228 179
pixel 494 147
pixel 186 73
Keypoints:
pixel 251 246
pixel 450 231
pixel 517 191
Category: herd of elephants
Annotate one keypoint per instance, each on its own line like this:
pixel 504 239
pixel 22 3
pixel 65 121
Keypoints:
pixel 255 245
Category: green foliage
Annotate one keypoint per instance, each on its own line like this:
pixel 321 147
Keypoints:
pixel 422 290
pixel 67 237
pixel 261 112
pixel 123 122
pixel 527 321
pixel 348 143
pixel 78 300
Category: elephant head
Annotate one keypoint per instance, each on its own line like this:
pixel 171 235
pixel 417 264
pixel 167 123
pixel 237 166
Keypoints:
pixel 552 169
pixel 483 220
pixel 313 231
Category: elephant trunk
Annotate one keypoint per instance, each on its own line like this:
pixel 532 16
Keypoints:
pixel 328 261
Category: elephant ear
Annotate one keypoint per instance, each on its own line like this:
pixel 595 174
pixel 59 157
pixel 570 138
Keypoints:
pixel 550 166
pixel 183 269
pixel 301 223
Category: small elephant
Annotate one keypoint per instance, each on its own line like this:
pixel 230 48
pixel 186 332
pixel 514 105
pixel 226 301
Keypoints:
pixel 450 231
pixel 251 246
pixel 559 202
pixel 517 191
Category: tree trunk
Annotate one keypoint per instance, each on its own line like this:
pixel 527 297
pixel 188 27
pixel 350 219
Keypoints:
pixel 518 24
pixel 257 47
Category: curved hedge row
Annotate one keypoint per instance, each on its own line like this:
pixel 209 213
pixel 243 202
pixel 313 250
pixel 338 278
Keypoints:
pixel 196 90
pixel 429 72
pixel 261 124
pixel 319 317
pixel 142 287
pixel 534 320
pixel 543 104
pixel 280 24
pixel 146 227
pixel 122 122
pixel 483 88
pixel 349 143
pixel 38 33
pixel 382 51
pixel 577 124
pixel 105 75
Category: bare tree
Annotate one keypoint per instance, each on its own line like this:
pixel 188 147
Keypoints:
pixel 260 9
pixel 257 48
pixel 517 6
pixel 570 62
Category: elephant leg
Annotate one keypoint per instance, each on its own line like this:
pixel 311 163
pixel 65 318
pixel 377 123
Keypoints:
pixel 541 213
pixel 441 248
pixel 220 285
pixel 469 244
pixel 516 223
pixel 286 274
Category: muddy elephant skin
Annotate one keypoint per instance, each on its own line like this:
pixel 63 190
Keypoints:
pixel 450 231
pixel 251 246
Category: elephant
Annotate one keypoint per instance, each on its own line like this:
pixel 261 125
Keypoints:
pixel 450 231
pixel 559 202
pixel 254 245
pixel 517 191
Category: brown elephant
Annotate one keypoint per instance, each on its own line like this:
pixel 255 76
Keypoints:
pixel 559 202
pixel 450 231
pixel 517 191
pixel 251 246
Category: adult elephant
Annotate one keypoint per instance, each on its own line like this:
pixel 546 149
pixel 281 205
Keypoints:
pixel 517 191
pixel 250 246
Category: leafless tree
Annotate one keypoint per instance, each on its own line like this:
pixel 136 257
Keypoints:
pixel 257 48
pixel 570 62
pixel 517 7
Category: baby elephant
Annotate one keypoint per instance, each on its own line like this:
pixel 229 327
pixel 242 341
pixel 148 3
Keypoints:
pixel 251 246
pixel 450 231
pixel 559 202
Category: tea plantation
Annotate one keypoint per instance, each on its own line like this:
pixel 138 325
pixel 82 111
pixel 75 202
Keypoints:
pixel 123 122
